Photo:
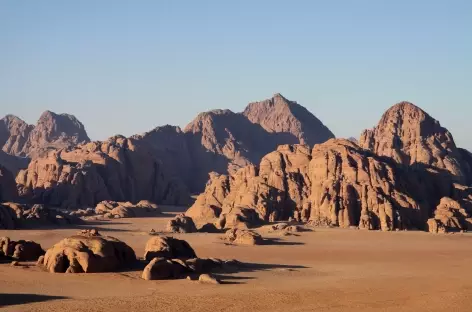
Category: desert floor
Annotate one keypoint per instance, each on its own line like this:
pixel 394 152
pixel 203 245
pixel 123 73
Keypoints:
pixel 324 270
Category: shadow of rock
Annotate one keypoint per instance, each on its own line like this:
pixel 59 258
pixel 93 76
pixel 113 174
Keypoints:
pixel 278 241
pixel 17 299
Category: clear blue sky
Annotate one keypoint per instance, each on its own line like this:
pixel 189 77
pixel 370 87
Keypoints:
pixel 128 66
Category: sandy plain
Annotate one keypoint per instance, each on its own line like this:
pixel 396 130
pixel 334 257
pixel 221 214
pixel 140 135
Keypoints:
pixel 323 270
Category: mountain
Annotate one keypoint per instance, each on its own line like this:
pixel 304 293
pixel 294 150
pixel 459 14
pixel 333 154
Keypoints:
pixel 411 137
pixel 52 131
pixel 279 115
pixel 407 174
pixel 222 141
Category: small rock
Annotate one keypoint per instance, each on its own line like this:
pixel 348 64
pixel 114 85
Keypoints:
pixel 15 263
pixel 208 279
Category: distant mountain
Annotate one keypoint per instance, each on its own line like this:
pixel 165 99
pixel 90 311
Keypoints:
pixel 52 131
pixel 223 141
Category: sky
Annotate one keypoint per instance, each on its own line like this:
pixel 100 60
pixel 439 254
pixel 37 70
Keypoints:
pixel 125 67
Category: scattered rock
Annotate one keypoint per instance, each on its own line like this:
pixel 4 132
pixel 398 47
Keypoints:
pixel 168 248
pixel 13 216
pixel 208 279
pixel 15 263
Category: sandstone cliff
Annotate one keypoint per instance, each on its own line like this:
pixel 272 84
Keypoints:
pixel 117 169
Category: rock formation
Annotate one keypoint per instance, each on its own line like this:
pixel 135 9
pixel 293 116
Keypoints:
pixel 408 163
pixel 17 216
pixel 88 254
pixel 279 115
pixel 52 131
pixel 112 209
pixel 243 237
pixel 411 137
pixel 181 224
pixel 221 140
pixel 167 247
pixel 338 183
pixel 20 250
pixel 118 169
pixel 450 216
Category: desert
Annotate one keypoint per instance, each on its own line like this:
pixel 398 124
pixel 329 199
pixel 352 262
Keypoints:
pixel 235 156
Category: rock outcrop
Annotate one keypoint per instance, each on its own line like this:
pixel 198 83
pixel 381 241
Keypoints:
pixel 450 216
pixel 112 209
pixel 243 237
pixel 118 169
pixel 337 183
pixel 88 254
pixel 167 247
pixel 21 250
pixel 181 224
pixel 411 137
pixel 52 131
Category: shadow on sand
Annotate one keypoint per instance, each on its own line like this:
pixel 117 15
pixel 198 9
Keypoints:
pixel 17 299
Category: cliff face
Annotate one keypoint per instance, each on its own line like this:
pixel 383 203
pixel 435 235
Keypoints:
pixel 7 185
pixel 406 169
pixel 118 169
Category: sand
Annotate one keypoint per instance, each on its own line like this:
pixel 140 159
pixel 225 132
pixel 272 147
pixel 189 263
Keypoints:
pixel 324 270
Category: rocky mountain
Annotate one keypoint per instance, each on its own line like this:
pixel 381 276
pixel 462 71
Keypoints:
pixel 279 115
pixel 66 172
pixel 52 131
pixel 118 169
pixel 411 137
pixel 409 175
pixel 223 141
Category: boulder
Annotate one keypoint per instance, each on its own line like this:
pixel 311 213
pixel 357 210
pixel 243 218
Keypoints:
pixel 88 254
pixel 243 237
pixel 162 268
pixel 20 250
pixel 167 247
pixel 181 224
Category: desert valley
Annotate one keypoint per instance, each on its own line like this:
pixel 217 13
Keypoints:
pixel 263 210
